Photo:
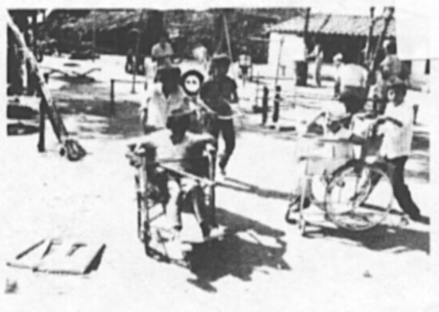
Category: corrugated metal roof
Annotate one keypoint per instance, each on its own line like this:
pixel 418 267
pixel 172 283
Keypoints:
pixel 335 24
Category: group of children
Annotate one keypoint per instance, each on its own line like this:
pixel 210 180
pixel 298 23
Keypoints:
pixel 166 115
pixel 394 125
pixel 167 111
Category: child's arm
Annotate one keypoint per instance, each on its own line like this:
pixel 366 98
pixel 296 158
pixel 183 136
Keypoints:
pixel 394 121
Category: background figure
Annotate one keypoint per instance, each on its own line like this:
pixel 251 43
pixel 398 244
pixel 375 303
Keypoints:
pixel 350 84
pixel 162 51
pixel 201 55
pixel 318 55
pixel 245 64
pixel 389 69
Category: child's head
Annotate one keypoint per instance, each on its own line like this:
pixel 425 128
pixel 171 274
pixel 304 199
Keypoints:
pixel 220 65
pixel 169 77
pixel 396 91
pixel 163 37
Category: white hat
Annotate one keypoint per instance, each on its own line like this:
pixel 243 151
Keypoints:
pixel 338 57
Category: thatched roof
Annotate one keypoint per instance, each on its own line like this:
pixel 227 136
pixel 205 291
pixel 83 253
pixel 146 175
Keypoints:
pixel 335 24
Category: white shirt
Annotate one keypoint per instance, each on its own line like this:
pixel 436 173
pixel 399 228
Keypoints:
pixel 159 106
pixel 245 60
pixel 351 75
pixel 159 51
pixel 397 140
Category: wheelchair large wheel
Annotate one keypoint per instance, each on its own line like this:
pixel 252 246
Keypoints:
pixel 359 197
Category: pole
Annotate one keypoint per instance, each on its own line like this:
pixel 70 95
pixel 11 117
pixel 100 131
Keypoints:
pixel 133 91
pixel 265 105
pixel 226 30
pixel 94 35
pixel 369 38
pixel 374 61
pixel 42 129
pixel 277 98
pixel 305 31
pixel 278 61
pixel 111 111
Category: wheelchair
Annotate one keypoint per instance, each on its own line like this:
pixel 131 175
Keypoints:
pixel 351 188
pixel 151 208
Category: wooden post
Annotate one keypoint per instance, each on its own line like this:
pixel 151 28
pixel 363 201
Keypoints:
pixel 278 60
pixel 369 38
pixel 265 105
pixel 226 31
pixel 387 20
pixel 257 91
pixel 111 110
pixel 137 53
pixel 374 62
pixel 42 129
pixel 305 30
pixel 277 98
pixel 94 35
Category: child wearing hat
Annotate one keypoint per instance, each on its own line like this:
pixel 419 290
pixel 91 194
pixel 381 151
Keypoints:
pixel 217 93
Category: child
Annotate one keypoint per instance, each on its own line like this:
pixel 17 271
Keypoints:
pixel 397 128
pixel 178 143
pixel 163 96
pixel 217 93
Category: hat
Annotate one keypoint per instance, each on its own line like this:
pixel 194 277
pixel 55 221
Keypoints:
pixel 395 82
pixel 338 57
pixel 222 57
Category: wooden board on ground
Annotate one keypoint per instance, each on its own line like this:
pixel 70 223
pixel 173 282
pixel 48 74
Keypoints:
pixel 56 255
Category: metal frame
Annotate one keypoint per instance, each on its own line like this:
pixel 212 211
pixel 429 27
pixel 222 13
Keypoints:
pixel 145 228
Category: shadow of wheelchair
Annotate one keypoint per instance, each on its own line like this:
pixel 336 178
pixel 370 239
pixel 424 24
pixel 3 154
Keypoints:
pixel 250 246
pixel 381 238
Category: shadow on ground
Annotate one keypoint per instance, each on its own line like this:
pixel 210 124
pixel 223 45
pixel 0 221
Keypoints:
pixel 246 187
pixel 381 238
pixel 251 246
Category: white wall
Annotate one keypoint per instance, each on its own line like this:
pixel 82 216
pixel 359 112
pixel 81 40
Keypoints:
pixel 293 49
pixel 418 78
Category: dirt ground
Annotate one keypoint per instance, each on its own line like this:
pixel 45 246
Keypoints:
pixel 263 265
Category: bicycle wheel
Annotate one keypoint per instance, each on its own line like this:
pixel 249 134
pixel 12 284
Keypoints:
pixel 359 197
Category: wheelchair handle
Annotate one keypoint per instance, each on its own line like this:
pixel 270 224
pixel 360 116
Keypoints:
pixel 205 181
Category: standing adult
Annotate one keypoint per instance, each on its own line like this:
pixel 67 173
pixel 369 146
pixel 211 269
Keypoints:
pixel 350 84
pixel 162 51
pixel 245 64
pixel 318 55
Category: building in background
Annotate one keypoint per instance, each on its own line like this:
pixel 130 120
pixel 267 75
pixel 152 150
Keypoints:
pixel 337 33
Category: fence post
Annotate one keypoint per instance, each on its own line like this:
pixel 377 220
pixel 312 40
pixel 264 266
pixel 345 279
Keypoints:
pixel 41 139
pixel 257 91
pixel 265 105
pixel 111 110
pixel 276 104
